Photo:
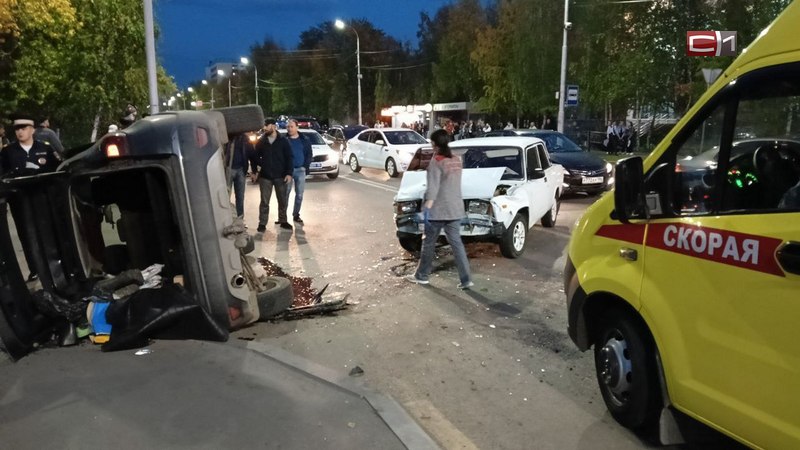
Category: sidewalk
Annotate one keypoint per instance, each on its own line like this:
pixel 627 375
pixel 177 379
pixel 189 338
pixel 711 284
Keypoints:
pixel 191 394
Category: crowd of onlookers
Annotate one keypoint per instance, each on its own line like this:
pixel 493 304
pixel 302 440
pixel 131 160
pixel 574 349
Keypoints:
pixel 620 138
pixel 465 129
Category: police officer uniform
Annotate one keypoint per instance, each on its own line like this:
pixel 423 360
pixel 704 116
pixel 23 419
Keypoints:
pixel 15 160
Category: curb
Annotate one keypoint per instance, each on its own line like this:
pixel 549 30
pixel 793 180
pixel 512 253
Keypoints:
pixel 393 415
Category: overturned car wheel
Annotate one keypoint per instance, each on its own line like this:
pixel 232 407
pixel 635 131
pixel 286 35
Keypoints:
pixel 242 119
pixel 276 298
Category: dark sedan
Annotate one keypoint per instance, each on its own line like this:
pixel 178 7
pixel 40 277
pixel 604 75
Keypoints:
pixel 337 137
pixel 585 172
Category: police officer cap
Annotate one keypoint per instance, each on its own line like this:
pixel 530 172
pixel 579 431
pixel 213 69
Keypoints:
pixel 269 121
pixel 23 119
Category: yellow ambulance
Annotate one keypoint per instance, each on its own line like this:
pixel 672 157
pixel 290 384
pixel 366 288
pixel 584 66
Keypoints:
pixel 686 281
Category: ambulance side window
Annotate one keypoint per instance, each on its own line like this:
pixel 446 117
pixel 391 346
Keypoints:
pixel 763 172
pixel 696 166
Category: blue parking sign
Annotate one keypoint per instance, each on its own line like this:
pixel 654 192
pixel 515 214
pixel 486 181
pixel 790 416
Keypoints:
pixel 572 95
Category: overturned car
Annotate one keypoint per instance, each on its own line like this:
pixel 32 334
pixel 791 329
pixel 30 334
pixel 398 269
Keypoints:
pixel 508 184
pixel 153 194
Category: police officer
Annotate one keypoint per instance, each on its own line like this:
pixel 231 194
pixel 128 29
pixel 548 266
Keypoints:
pixel 27 156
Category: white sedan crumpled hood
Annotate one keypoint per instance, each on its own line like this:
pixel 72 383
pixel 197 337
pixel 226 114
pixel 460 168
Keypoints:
pixel 475 184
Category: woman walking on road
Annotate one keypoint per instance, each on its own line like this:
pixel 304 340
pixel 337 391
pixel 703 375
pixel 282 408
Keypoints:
pixel 443 208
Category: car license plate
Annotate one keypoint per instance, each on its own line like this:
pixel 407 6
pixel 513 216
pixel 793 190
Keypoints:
pixel 319 166
pixel 592 180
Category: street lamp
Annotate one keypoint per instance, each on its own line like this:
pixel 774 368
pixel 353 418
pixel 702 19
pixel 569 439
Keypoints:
pixel 340 25
pixel 563 85
pixel 181 96
pixel 246 61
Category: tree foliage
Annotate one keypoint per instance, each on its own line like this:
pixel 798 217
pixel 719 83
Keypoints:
pixel 76 60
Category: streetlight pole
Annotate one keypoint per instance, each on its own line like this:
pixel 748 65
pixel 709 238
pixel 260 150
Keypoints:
pixel 205 82
pixel 246 61
pixel 221 73
pixel 150 53
pixel 563 85
pixel 340 25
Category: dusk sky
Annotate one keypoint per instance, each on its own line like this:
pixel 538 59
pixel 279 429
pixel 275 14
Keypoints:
pixel 194 32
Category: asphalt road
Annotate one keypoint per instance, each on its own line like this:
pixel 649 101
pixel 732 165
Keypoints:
pixel 488 368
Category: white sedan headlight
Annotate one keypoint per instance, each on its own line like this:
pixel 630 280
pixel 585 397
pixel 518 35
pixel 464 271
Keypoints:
pixel 479 207
pixel 609 167
pixel 406 207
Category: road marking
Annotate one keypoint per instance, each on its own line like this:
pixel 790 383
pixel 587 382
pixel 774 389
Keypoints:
pixel 374 184
pixel 437 424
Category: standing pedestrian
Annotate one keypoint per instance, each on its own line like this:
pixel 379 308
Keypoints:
pixel 443 209
pixel 241 152
pixel 274 162
pixel 26 156
pixel 44 134
pixel 302 155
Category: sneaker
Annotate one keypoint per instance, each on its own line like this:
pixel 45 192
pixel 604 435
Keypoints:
pixel 466 285
pixel 261 228
pixel 297 219
pixel 286 226
pixel 414 279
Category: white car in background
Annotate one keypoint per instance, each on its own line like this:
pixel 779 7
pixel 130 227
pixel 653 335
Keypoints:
pixel 508 184
pixel 389 149
pixel 326 159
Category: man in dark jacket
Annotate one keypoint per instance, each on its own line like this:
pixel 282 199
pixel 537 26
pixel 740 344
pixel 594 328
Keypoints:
pixel 302 156
pixel 44 134
pixel 273 157
pixel 241 153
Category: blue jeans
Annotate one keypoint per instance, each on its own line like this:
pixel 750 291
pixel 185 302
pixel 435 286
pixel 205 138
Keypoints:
pixel 238 179
pixel 299 183
pixel 452 231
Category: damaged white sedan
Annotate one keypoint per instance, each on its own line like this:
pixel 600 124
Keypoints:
pixel 508 184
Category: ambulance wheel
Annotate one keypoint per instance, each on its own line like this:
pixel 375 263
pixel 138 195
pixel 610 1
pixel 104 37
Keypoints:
pixel 512 244
pixel 354 166
pixel 624 356
pixel 549 219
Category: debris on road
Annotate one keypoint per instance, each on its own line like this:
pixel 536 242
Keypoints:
pixel 356 371
pixel 307 301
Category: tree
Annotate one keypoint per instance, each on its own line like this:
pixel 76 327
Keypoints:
pixel 455 77
pixel 79 72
